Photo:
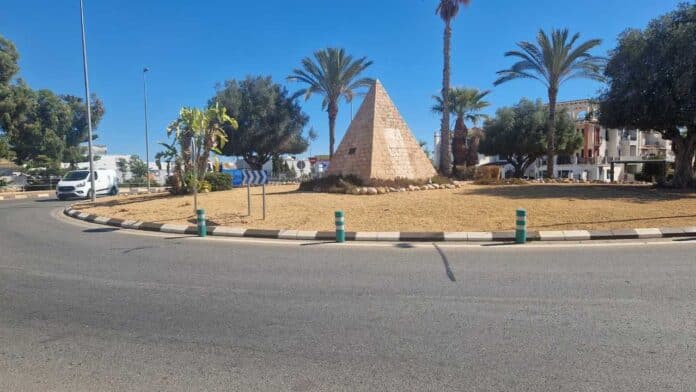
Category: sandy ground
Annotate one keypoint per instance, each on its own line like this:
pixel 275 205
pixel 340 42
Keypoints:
pixel 470 208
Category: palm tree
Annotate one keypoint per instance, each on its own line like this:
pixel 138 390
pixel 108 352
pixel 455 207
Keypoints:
pixel 169 155
pixel 466 104
pixel 448 10
pixel 552 62
pixel 335 75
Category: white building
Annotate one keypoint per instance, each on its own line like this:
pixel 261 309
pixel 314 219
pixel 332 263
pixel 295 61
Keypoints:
pixel 601 146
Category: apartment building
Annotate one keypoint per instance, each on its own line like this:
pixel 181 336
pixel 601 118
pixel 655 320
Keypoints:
pixel 602 146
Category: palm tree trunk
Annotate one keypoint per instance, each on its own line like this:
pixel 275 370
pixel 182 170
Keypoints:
pixel 551 134
pixel 333 113
pixel 445 144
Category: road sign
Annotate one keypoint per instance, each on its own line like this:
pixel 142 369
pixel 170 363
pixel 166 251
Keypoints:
pixel 300 165
pixel 254 177
pixel 247 177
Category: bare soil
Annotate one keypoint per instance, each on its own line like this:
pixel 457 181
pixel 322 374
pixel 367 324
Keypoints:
pixel 470 208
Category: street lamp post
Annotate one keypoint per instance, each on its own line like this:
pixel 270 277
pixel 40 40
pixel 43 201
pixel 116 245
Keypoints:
pixel 89 106
pixel 147 142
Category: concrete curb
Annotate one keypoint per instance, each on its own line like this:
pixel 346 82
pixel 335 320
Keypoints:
pixel 49 194
pixel 567 235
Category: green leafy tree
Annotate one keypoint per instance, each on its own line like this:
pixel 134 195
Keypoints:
pixel 553 61
pixel 447 10
pixel 138 167
pixel 6 151
pixel 270 123
pixel 198 132
pixel 41 123
pixel 9 58
pixel 333 74
pixel 652 85
pixel 466 104
pixel 519 134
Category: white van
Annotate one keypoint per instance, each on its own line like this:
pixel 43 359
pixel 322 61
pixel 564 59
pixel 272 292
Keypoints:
pixel 78 184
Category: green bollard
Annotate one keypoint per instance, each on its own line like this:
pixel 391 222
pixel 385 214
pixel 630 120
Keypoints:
pixel 521 231
pixel 202 229
pixel 340 227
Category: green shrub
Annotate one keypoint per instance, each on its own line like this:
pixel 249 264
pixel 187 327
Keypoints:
pixel 204 186
pixel 3 183
pixel 219 181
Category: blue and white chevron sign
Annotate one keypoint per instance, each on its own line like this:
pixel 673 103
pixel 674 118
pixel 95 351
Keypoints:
pixel 247 177
pixel 254 177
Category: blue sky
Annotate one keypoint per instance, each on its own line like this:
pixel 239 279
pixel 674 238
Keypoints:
pixel 192 45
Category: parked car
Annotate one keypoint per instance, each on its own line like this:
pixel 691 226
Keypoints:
pixel 77 183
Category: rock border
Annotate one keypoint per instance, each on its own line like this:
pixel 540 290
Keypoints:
pixel 503 236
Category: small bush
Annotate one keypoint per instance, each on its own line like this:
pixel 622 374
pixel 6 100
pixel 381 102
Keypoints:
pixel 219 181
pixel 204 186
pixel 3 183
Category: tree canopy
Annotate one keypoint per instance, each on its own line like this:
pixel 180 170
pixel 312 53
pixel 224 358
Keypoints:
pixel 518 134
pixel 652 84
pixel 270 122
pixel 39 125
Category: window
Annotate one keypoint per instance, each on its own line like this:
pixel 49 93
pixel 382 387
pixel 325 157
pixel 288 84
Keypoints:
pixel 351 151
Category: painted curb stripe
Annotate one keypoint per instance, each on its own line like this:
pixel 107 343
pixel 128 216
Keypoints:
pixel 227 231
pixel 421 237
pixel 115 222
pixel 457 236
pixel 629 234
pixel 668 232
pixel 151 226
pixel 502 236
pixel 600 235
pixel 648 233
pixel 480 236
pixel 257 233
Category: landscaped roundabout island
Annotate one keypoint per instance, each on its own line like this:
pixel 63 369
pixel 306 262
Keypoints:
pixel 467 208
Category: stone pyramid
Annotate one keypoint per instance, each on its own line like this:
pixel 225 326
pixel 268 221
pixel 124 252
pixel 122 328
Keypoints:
pixel 379 144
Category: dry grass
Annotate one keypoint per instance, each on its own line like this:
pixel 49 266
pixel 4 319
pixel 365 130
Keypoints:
pixel 470 208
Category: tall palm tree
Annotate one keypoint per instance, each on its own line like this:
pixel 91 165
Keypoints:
pixel 553 61
pixel 335 75
pixel 448 10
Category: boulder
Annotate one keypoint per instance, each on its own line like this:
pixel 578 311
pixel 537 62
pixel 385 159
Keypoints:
pixel 372 191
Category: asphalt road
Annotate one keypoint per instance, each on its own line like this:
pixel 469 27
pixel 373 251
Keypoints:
pixel 84 308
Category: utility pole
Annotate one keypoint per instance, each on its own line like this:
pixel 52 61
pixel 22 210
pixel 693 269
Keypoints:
pixel 89 106
pixel 147 141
